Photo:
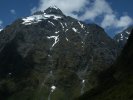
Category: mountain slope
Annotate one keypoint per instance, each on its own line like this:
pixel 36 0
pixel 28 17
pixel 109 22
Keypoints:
pixel 117 81
pixel 52 56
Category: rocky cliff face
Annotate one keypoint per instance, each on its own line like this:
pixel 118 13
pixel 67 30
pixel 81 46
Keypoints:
pixel 50 56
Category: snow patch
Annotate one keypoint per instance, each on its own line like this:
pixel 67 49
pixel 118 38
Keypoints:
pixel 51 15
pixel 62 25
pixel 127 32
pixel 67 39
pixel 83 81
pixel 82 26
pixel 56 38
pixel 65 24
pixel 32 19
pixel 83 86
pixel 126 38
pixel 121 36
pixel 74 29
pixel 57 32
pixel 53 88
pixel 51 23
pixel 37 18
pixel 66 30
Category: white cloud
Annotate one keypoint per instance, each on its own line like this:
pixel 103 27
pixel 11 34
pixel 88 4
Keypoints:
pixel 95 9
pixel 67 6
pixel 12 11
pixel 111 20
pixel 124 21
pixel 89 10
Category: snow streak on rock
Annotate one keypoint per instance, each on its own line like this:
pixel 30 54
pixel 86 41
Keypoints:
pixel 83 86
pixel 56 38
pixel 74 29
pixel 51 23
pixel 52 90
pixel 127 32
pixel 82 26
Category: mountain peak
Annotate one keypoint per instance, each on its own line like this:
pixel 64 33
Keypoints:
pixel 38 13
pixel 53 10
pixel 54 7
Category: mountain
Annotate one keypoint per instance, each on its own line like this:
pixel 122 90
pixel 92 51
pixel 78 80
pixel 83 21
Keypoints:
pixel 122 37
pixel 51 56
pixel 116 83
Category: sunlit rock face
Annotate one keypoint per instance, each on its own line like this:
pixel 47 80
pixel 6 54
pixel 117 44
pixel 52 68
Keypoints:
pixel 52 56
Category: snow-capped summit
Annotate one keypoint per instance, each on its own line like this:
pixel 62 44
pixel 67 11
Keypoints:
pixel 48 10
pixel 54 10
pixel 51 12
pixel 54 6
pixel 38 13
pixel 37 18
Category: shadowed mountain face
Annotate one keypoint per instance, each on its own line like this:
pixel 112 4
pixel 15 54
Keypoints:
pixel 50 56
pixel 116 83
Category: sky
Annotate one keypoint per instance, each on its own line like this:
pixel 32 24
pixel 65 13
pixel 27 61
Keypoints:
pixel 113 15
